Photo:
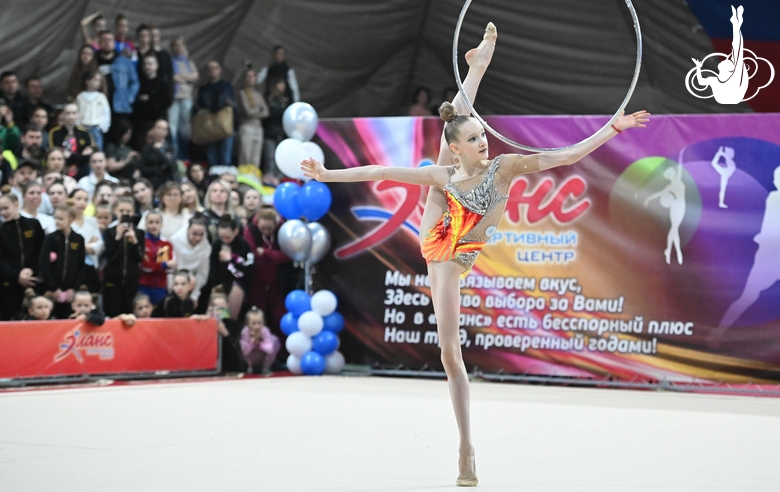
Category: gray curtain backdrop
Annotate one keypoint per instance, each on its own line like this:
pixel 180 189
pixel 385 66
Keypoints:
pixel 366 57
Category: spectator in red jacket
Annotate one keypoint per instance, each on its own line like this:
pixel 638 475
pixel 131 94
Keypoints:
pixel 158 259
pixel 265 292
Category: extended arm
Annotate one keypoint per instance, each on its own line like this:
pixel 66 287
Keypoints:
pixel 429 175
pixel 520 164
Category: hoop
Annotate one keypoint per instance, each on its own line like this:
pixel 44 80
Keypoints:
pixel 551 149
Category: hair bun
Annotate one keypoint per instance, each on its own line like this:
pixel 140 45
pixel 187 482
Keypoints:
pixel 448 112
pixel 6 189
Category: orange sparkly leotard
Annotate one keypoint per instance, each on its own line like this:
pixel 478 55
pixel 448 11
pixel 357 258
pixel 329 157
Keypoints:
pixel 474 208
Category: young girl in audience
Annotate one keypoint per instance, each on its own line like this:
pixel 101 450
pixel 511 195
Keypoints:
pixel 94 110
pixel 37 307
pixel 193 253
pixel 93 239
pixel 252 202
pixel 229 330
pixel 84 309
pixel 158 259
pixel 142 306
pixel 177 304
pixel 231 262
pixel 258 344
pixel 103 216
pixel 62 262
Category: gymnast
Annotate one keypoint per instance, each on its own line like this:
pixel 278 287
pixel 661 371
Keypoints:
pixel 467 199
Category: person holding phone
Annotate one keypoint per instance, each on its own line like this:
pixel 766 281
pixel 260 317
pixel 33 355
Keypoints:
pixel 124 253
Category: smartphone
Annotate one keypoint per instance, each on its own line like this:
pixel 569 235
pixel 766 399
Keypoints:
pixel 126 219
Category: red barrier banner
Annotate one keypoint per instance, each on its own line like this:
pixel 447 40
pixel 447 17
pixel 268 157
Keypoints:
pixel 33 349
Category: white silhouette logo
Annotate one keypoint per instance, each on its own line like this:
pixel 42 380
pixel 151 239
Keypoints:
pixel 672 197
pixel 766 269
pixel 730 84
pixel 725 171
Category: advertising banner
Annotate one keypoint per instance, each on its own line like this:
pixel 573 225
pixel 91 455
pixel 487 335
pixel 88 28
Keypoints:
pixel 656 257
pixel 39 349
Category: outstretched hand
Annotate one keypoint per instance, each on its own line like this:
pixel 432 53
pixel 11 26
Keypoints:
pixel 314 169
pixel 635 120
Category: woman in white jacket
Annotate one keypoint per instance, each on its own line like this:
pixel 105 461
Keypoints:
pixel 193 252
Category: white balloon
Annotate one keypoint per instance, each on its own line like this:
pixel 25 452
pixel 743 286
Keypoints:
pixel 314 151
pixel 294 364
pixel 289 154
pixel 310 324
pixel 298 344
pixel 300 121
pixel 334 363
pixel 324 302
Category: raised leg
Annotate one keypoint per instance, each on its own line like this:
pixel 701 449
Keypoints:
pixel 445 291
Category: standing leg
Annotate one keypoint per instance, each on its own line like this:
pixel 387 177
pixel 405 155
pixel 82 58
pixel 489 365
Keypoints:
pixel 445 291
pixel 235 301
pixel 173 125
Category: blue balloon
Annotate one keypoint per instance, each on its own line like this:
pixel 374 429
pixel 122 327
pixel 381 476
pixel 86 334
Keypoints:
pixel 297 302
pixel 286 200
pixel 325 342
pixel 289 324
pixel 312 363
pixel 333 322
pixel 314 200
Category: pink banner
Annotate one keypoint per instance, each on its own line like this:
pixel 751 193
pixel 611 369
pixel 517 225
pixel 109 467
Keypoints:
pixel 656 257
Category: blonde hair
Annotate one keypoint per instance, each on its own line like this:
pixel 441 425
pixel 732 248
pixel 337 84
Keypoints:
pixel 254 312
pixel 68 209
pixel 207 198
pixel 452 121
pixel 5 192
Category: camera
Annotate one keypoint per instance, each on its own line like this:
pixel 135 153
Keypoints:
pixel 126 219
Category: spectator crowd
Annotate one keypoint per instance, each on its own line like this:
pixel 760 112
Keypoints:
pixel 122 201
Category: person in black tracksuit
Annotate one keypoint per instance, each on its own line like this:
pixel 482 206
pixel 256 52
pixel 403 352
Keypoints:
pixel 62 266
pixel 124 252
pixel 21 239
pixel 177 304
pixel 174 307
pixel 231 264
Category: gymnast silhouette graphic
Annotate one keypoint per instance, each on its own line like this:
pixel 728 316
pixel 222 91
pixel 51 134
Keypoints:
pixel 766 265
pixel 725 171
pixel 673 198
pixel 731 84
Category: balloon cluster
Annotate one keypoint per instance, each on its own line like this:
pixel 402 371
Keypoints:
pixel 299 240
pixel 312 326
